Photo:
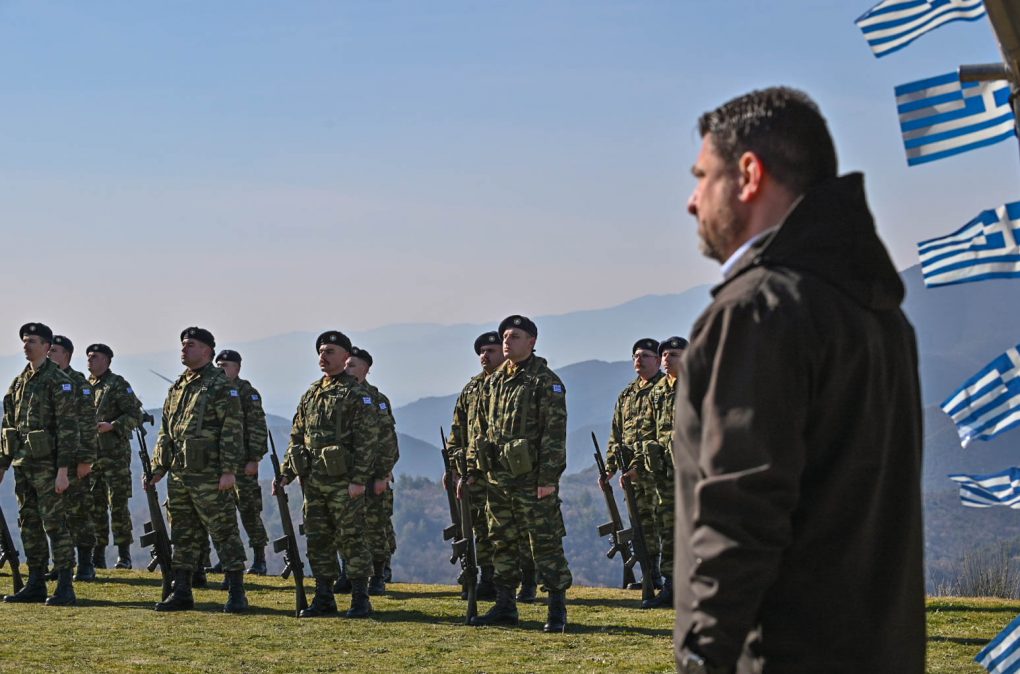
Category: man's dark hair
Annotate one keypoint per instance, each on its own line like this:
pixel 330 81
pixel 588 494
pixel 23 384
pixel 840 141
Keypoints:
pixel 783 127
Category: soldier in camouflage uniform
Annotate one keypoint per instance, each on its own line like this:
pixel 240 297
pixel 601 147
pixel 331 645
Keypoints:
pixel 379 511
pixel 78 497
pixel 40 439
pixel 659 462
pixel 200 445
pixel 118 413
pixel 336 442
pixel 633 426
pixel 523 452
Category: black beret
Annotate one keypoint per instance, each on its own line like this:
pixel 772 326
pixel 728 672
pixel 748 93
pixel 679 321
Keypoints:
pixel 60 340
pixel 199 335
pixel 228 355
pixel 646 343
pixel 333 337
pixel 99 348
pixel 485 339
pixel 522 322
pixel 37 329
pixel 672 343
pixel 358 352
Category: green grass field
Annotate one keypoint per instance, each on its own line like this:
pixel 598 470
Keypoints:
pixel 417 628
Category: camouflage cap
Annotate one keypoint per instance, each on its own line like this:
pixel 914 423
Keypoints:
pixel 646 343
pixel 37 329
pixel 99 348
pixel 521 322
pixel 485 339
pixel 672 343
pixel 60 340
pixel 333 337
pixel 199 335
pixel 228 355
pixel 358 352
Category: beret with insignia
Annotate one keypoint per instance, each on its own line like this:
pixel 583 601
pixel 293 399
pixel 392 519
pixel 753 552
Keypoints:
pixel 485 339
pixel 199 335
pixel 37 329
pixel 358 352
pixel 228 355
pixel 672 343
pixel 522 322
pixel 60 340
pixel 333 337
pixel 99 348
pixel 645 343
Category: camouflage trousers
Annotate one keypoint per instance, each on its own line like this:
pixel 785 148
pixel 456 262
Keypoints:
pixel 379 526
pixel 78 510
pixel 665 515
pixel 647 498
pixel 483 544
pixel 248 499
pixel 41 516
pixel 111 491
pixel 197 509
pixel 516 519
pixel 334 521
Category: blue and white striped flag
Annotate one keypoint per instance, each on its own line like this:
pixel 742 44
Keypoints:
pixel 984 248
pixel 985 491
pixel 940 116
pixel 989 402
pixel 1002 654
pixel 893 24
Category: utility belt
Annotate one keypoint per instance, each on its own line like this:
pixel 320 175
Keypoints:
pixel 37 444
pixel 195 454
pixel 513 456
pixel 330 460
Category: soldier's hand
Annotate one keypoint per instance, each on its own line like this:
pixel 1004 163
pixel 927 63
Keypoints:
pixel 61 483
pixel 379 487
pixel 280 484
pixel 84 470
pixel 226 482
pixel 251 469
pixel 609 476
pixel 631 475
pixel 355 491
pixel 545 491
pixel 104 427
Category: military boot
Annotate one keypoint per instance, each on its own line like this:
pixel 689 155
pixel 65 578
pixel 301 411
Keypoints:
pixel 199 578
pixel 64 594
pixel 258 565
pixel 503 612
pixel 361 607
pixel 377 583
pixel 529 586
pixel 343 583
pixel 237 600
pixel 486 589
pixel 323 603
pixel 51 575
pixel 85 571
pixel 225 585
pixel 556 620
pixel 123 557
pixel 34 591
pixel 215 569
pixel 181 598
pixel 662 600
pixel 387 571
pixel 99 556
pixel 656 575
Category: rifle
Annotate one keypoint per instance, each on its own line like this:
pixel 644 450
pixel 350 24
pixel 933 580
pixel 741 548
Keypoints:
pixel 621 538
pixel 451 532
pixel 9 553
pixel 469 559
pixel 155 532
pixel 638 532
pixel 287 544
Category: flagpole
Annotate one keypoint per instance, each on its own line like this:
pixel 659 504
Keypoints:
pixel 1004 15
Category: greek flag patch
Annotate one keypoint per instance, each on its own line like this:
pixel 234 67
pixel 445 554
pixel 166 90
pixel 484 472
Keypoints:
pixel 382 406
pixel 366 400
pixel 66 387
pixel 254 396
pixel 129 390
pixel 233 393
pixel 86 391
pixel 557 388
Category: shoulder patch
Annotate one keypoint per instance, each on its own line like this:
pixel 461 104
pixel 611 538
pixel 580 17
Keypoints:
pixel 129 390
pixel 557 388
pixel 86 391
pixel 383 406
pixel 233 393
pixel 367 400
pixel 255 396
pixel 65 387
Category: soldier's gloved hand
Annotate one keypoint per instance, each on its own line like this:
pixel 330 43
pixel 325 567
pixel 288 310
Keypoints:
pixel 84 469
pixel 251 469
pixel 226 482
pixel 61 483
pixel 355 491
pixel 545 491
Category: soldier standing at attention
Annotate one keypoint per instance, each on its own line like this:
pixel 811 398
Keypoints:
pixel 659 462
pixel 200 444
pixel 40 439
pixel 336 440
pixel 633 426
pixel 524 426
pixel 118 413
pixel 379 513
pixel 78 497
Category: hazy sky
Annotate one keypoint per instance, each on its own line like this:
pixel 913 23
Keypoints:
pixel 263 167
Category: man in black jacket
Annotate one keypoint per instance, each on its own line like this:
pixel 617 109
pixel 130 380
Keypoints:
pixel 798 425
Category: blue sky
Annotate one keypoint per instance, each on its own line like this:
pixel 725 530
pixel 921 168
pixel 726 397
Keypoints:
pixel 263 167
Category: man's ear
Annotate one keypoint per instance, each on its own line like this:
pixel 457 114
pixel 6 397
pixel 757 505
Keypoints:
pixel 752 173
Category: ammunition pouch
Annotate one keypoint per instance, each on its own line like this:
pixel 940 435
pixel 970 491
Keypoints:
pixel 299 461
pixel 198 454
pixel 108 441
pixel 654 457
pixel 484 456
pixel 40 445
pixel 334 460
pixel 516 456
pixel 10 442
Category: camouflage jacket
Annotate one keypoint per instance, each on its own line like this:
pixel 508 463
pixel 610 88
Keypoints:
pixel 256 433
pixel 664 406
pixel 202 429
pixel 524 421
pixel 466 424
pixel 86 411
pixel 337 432
pixel 117 404
pixel 391 448
pixel 41 400
pixel 633 424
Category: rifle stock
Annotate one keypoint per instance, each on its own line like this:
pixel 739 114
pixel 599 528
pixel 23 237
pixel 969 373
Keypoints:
pixel 469 556
pixel 155 532
pixel 641 555
pixel 287 544
pixel 620 538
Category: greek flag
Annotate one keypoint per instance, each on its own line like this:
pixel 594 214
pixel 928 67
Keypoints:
pixel 893 24
pixel 989 402
pixel 985 491
pixel 984 248
pixel 1001 655
pixel 940 116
